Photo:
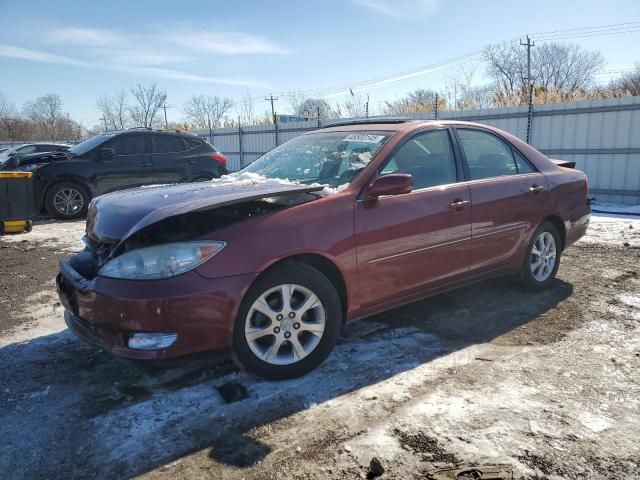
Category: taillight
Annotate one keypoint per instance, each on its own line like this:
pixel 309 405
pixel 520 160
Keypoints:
pixel 218 157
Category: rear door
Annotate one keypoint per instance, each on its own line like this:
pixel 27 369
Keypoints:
pixel 407 243
pixel 130 166
pixel 173 158
pixel 509 198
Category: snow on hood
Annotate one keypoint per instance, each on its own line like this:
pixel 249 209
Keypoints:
pixel 118 215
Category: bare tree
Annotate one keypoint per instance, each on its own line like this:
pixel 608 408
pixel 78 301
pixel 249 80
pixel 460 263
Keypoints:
pixel 628 83
pixel 245 108
pixel 207 112
pixel 115 110
pixel 8 118
pixel 314 108
pixel 420 100
pixel 355 106
pixel 555 67
pixel 46 112
pixel 148 101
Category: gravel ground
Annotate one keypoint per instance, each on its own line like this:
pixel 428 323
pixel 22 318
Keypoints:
pixel 538 385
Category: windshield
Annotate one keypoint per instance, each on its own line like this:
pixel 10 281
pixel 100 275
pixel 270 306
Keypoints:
pixel 328 158
pixel 90 143
pixel 4 156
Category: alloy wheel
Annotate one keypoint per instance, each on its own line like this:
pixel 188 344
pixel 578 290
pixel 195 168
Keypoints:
pixel 543 256
pixel 285 324
pixel 68 201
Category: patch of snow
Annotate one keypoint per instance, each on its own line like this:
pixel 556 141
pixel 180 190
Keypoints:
pixel 613 230
pixel 64 236
pixel 46 314
pixel 616 208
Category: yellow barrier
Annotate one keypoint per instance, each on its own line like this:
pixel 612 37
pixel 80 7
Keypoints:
pixel 17 226
pixel 16 174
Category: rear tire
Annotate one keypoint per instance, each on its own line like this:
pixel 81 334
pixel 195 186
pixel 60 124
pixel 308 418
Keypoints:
pixel 67 201
pixel 542 258
pixel 278 339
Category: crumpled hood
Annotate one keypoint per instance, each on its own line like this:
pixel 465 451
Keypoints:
pixel 118 215
pixel 30 158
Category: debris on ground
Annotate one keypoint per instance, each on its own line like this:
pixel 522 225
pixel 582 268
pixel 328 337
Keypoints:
pixel 375 468
pixel 232 392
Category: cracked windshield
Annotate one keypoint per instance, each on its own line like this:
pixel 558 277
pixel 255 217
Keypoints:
pixel 332 159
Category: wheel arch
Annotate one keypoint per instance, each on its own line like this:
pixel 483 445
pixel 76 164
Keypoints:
pixel 68 178
pixel 557 222
pixel 325 266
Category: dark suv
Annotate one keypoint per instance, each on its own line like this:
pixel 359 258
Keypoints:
pixel 66 181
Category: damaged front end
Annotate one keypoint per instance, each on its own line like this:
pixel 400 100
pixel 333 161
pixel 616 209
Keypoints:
pixel 32 161
pixel 182 221
pixel 122 292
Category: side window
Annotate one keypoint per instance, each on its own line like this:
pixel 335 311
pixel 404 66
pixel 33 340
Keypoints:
pixel 131 144
pixel 192 143
pixel 428 157
pixel 487 155
pixel 522 165
pixel 27 149
pixel 168 144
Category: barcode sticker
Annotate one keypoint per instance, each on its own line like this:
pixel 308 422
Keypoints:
pixel 364 138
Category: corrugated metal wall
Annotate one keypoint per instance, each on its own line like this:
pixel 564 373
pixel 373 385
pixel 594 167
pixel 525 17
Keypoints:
pixel 601 136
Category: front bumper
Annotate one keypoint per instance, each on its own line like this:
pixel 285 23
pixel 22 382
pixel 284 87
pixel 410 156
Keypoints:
pixel 106 312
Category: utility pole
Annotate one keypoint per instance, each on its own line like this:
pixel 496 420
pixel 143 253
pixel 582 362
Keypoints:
pixel 272 99
pixel 529 44
pixel 318 111
pixel 435 107
pixel 366 107
pixel 166 124
pixel 240 143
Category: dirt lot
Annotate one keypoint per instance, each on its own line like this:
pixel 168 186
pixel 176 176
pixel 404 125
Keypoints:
pixel 543 385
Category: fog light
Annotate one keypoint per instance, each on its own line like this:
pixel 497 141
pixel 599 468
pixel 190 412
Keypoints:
pixel 151 341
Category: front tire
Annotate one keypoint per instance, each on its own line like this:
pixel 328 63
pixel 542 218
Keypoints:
pixel 288 322
pixel 543 257
pixel 67 201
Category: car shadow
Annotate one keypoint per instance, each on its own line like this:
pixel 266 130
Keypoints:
pixel 68 410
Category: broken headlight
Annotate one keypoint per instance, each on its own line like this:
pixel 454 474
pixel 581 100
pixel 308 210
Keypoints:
pixel 160 261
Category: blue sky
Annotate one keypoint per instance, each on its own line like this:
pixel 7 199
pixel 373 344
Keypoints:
pixel 82 50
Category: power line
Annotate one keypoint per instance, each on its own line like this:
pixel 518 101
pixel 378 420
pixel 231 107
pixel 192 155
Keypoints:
pixel 581 32
pixel 582 29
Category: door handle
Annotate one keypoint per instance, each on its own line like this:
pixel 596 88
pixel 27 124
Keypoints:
pixel 191 162
pixel 536 188
pixel 145 164
pixel 458 204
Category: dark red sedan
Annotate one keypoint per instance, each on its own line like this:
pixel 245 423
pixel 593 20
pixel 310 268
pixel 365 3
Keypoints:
pixel 331 226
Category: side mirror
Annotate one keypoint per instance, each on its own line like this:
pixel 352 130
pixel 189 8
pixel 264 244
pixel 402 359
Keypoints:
pixel 107 153
pixel 392 184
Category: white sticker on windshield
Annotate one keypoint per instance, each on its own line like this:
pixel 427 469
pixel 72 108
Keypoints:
pixel 360 137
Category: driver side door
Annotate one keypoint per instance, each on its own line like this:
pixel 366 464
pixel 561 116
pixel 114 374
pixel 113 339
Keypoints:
pixel 408 244
pixel 131 165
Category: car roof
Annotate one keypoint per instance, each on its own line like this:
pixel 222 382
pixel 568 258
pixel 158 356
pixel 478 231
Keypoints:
pixel 151 130
pixel 396 125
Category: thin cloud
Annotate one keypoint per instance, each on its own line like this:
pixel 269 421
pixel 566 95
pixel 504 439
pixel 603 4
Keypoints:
pixel 88 37
pixel 37 56
pixel 12 51
pixel 406 9
pixel 166 38
pixel 226 43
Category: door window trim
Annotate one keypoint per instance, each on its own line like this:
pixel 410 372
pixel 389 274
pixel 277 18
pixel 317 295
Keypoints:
pixel 459 171
pixel 514 150
pixel 153 142
pixel 115 139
